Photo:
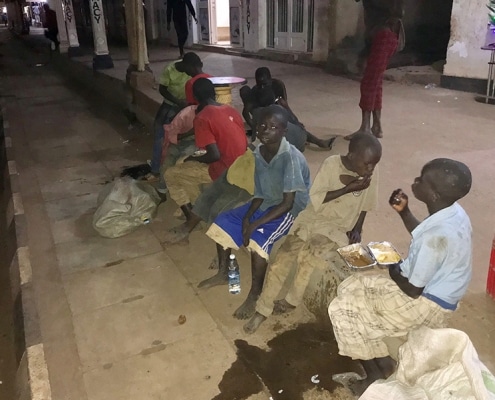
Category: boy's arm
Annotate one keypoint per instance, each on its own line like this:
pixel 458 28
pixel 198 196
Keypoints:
pixel 246 113
pixel 169 96
pixel 191 9
pixel 355 185
pixel 246 232
pixel 403 282
pixel 400 203
pixel 354 234
pixel 276 211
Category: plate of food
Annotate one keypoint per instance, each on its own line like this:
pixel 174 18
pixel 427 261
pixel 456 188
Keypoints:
pixel 357 257
pixel 385 253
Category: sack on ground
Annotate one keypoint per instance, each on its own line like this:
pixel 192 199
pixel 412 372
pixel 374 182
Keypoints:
pixel 123 206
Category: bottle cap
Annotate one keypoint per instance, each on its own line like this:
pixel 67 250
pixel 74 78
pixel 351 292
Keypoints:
pixel 232 257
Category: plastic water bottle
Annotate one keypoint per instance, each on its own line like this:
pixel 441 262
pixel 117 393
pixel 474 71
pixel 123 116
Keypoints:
pixel 234 276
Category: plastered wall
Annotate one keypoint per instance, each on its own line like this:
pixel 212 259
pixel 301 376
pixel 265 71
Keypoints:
pixel 468 31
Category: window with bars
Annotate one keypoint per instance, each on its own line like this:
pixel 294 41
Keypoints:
pixel 288 16
pixel 270 23
pixel 297 16
pixel 283 15
pixel 311 24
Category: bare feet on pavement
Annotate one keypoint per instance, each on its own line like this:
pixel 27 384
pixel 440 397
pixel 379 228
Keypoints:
pixel 247 309
pixel 377 131
pixel 282 307
pixel 358 387
pixel 216 280
pixel 254 323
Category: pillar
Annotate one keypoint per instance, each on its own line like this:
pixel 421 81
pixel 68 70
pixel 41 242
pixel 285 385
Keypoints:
pixel 70 23
pixel 102 59
pixel 14 13
pixel 56 5
pixel 136 36
pixel 138 73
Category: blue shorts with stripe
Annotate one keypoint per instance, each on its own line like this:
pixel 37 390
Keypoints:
pixel 264 237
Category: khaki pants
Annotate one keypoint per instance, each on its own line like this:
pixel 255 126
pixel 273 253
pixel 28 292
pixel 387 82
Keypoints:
pixel 296 254
pixel 184 181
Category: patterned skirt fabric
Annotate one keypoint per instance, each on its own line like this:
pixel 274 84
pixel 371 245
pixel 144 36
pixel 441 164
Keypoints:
pixel 369 308
pixel 383 48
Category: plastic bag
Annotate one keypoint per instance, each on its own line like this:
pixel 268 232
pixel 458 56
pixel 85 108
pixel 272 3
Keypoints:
pixel 123 206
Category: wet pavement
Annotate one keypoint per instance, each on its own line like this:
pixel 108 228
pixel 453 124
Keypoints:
pixel 109 308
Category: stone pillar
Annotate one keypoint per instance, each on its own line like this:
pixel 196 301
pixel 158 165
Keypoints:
pixel 136 36
pixel 56 5
pixel 138 73
pixel 102 59
pixel 14 13
pixel 70 23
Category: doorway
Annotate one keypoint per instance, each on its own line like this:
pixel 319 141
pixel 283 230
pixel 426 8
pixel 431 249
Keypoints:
pixel 427 26
pixel 219 22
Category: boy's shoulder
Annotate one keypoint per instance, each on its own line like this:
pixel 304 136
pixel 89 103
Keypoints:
pixel 294 151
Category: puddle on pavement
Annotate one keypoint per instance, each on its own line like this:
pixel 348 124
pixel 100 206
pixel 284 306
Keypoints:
pixel 292 358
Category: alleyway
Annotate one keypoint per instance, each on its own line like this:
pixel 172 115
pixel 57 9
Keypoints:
pixel 108 309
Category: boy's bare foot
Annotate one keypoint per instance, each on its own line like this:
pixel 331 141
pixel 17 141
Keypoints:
pixel 327 144
pixel 176 234
pixel 352 381
pixel 349 137
pixel 377 131
pixel 247 309
pixel 282 307
pixel 216 280
pixel 254 323
pixel 359 387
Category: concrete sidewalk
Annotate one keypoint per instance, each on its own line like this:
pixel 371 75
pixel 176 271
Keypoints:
pixel 108 309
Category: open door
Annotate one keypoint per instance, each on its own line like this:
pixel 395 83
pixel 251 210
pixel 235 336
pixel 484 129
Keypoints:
pixel 235 22
pixel 204 22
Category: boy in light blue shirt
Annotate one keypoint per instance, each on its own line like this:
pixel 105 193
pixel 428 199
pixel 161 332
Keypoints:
pixel 424 289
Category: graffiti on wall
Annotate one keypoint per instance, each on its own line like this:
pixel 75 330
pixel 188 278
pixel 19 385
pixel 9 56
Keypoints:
pixel 248 15
pixel 96 11
pixel 68 10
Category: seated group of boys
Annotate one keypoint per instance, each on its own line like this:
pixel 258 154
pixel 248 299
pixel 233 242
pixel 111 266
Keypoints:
pixel 253 198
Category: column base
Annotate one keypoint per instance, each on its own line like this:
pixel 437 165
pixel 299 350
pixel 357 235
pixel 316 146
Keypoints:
pixel 102 61
pixel 74 51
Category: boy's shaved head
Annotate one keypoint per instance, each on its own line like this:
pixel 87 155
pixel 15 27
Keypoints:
pixel 364 141
pixel 203 90
pixel 277 111
pixel 263 72
pixel 452 179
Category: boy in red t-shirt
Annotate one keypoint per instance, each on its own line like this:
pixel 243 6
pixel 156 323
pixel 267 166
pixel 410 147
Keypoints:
pixel 194 69
pixel 219 130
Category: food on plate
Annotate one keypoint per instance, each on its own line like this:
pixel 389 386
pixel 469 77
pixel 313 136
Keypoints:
pixel 384 253
pixel 357 259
